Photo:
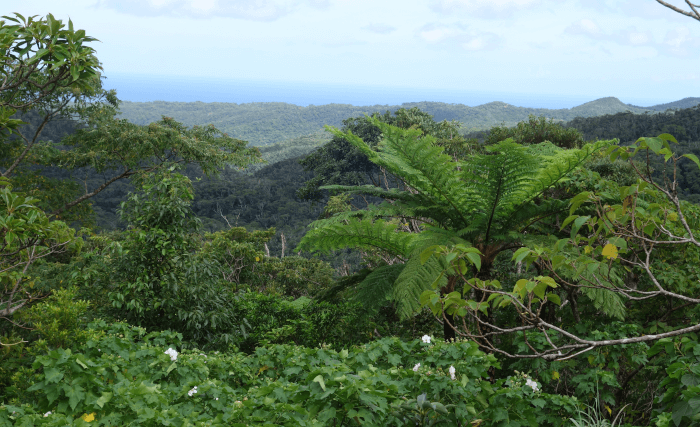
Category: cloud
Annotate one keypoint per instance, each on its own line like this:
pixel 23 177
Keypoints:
pixel 488 9
pixel 679 42
pixel 379 28
pixel 637 38
pixel 585 27
pixel 255 10
pixel 457 36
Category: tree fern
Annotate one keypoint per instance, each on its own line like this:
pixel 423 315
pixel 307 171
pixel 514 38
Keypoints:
pixel 488 201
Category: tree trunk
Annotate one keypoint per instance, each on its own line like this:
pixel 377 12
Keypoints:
pixel 448 331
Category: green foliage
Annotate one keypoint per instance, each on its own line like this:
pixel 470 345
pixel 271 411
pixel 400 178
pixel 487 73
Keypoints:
pixel 487 201
pixel 679 405
pixel 126 378
pixel 244 265
pixel 27 235
pixel 264 123
pixel 341 163
pixel 59 319
pixel 159 284
pixel 297 276
pixel 537 130
pixel 281 320
pixel 41 57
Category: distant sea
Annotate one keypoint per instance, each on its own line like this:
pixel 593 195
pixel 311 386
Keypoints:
pixel 147 88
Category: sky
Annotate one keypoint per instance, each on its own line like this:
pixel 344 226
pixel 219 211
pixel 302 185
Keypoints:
pixel 376 51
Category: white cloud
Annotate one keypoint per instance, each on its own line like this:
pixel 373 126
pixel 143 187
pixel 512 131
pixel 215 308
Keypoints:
pixel 256 10
pixel 379 28
pixel 679 42
pixel 489 9
pixel 457 35
pixel 639 37
pixel 585 27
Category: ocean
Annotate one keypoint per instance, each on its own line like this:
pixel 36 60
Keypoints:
pixel 147 88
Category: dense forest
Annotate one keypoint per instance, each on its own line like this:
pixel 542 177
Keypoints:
pixel 412 265
pixel 268 122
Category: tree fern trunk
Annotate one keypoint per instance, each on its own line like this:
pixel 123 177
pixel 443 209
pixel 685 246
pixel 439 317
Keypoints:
pixel 449 332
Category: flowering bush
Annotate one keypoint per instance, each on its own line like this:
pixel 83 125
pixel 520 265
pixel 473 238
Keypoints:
pixel 134 380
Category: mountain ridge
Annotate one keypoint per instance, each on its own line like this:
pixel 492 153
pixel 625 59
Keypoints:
pixel 265 123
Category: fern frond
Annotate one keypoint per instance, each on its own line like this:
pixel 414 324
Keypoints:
pixel 365 234
pixel 416 278
pixel 529 214
pixel 342 284
pixel 420 163
pixel 498 183
pixel 377 287
pixel 558 166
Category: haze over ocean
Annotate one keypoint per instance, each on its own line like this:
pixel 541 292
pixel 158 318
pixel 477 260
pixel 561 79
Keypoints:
pixel 147 88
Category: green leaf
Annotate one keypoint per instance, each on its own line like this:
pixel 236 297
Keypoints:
pixel 319 379
pixel 567 221
pixel 578 223
pixel 52 375
pixel 655 144
pixel 554 298
pixel 530 286
pixel 540 289
pixel 475 259
pixel 667 137
pixel 75 394
pixel 692 157
pixel 106 397
pixel 520 254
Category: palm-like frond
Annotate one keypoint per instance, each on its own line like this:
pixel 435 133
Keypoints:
pixel 415 278
pixel 555 168
pixel 365 234
pixel 419 162
pixel 377 287
pixel 342 284
pixel 497 183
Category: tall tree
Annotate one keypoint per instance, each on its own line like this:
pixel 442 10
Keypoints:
pixel 48 68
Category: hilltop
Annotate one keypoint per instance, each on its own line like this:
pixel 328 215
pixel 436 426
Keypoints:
pixel 264 123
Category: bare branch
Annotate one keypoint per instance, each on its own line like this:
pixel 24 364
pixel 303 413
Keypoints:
pixel 694 14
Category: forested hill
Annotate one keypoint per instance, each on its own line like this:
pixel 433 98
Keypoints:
pixel 683 103
pixel 272 122
pixel 683 124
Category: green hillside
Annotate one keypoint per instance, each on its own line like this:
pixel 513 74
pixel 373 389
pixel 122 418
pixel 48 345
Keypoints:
pixel 683 103
pixel 266 123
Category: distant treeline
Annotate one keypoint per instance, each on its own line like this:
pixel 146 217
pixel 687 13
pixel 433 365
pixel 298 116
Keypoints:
pixel 273 122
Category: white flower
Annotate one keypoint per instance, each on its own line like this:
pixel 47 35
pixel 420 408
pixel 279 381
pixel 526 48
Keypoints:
pixel 192 392
pixel 415 368
pixel 47 414
pixel 216 398
pixel 532 384
pixel 452 371
pixel 426 339
pixel 172 353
